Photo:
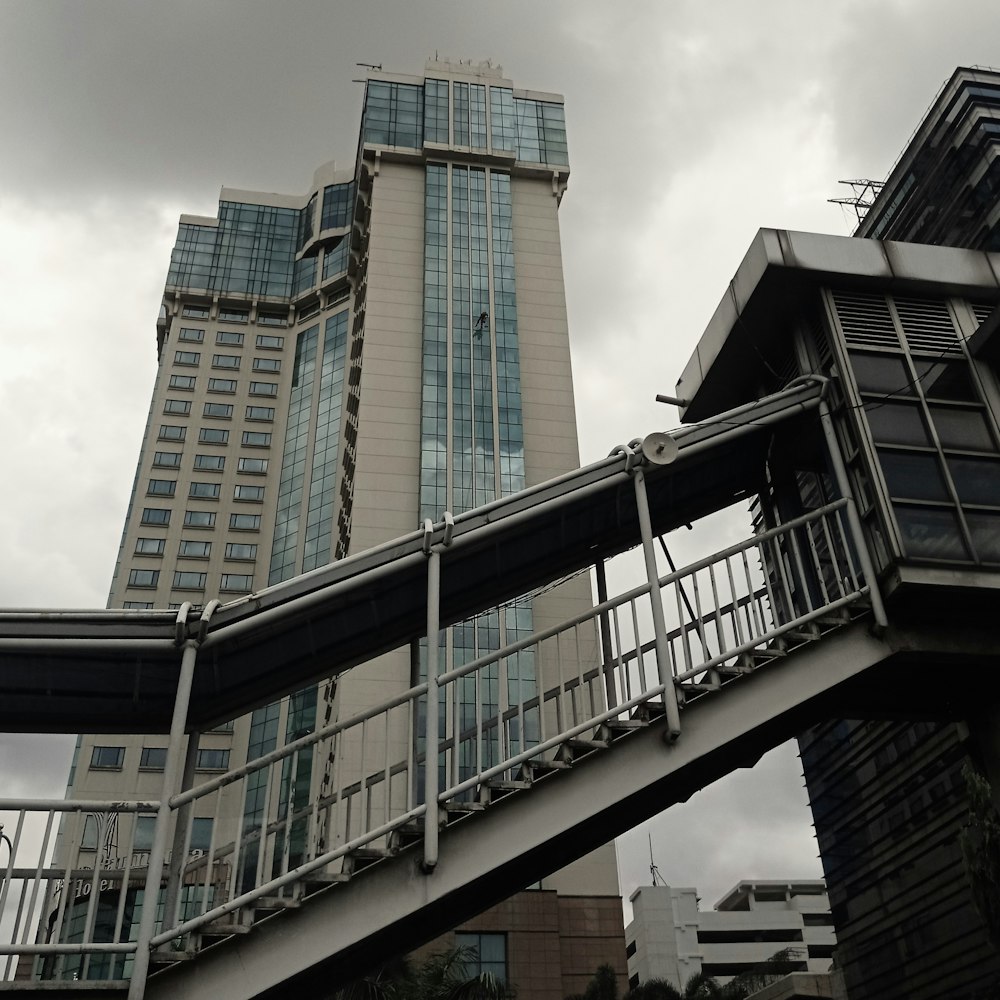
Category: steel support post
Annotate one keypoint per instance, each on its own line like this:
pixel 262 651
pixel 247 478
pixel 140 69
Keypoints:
pixel 431 736
pixel 171 774
pixel 607 652
pixel 663 667
pixel 178 856
pixel 853 520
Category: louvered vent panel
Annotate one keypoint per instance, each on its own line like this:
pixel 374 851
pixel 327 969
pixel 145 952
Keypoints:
pixel 927 325
pixel 865 320
pixel 982 311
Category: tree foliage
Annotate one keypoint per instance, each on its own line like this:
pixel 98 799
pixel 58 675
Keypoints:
pixel 703 987
pixel 980 843
pixel 442 976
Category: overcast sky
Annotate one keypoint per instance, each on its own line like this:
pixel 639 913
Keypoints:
pixel 691 125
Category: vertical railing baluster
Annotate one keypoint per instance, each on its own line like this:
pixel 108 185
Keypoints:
pixel 663 666
pixel 431 740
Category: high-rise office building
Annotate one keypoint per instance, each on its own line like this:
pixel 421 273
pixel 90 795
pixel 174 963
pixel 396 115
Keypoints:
pixel 335 367
pixel 888 797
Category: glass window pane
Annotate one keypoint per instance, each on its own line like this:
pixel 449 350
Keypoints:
pixel 932 532
pixel 913 475
pixel 977 480
pixel 985 530
pixel 881 373
pixel 897 423
pixel 966 429
pixel 945 380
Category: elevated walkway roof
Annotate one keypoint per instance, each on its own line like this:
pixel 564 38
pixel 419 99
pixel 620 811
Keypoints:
pixel 115 671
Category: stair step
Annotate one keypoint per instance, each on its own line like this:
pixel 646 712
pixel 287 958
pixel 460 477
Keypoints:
pixel 507 784
pixel 271 903
pixel 538 767
pixel 578 747
pixel 319 880
pixel 219 929
pixel 626 725
pixel 362 858
pixel 167 956
pixel 462 806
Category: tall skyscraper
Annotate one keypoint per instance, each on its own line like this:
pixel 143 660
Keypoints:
pixel 335 367
pixel 888 797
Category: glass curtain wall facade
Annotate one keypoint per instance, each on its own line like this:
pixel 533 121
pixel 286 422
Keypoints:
pixel 257 461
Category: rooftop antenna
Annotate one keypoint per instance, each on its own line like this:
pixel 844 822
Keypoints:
pixel 862 197
pixel 658 879
pixel 375 66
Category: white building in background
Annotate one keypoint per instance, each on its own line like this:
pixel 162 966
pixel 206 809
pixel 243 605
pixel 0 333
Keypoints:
pixel 671 938
pixel 334 367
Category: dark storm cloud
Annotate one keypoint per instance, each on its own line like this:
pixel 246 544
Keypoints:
pixel 174 97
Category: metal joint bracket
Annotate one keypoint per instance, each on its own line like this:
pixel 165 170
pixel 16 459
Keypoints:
pixel 632 457
pixel 449 531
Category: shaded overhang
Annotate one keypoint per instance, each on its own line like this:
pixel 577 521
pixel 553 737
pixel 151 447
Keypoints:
pixel 774 291
pixel 116 671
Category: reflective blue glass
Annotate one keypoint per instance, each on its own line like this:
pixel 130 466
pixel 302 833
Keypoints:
pixel 326 448
pixel 286 524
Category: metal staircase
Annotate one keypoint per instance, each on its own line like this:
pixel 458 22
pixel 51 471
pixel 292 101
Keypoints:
pixel 546 748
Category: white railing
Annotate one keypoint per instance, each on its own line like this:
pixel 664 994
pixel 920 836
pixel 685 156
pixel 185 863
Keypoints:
pixel 276 830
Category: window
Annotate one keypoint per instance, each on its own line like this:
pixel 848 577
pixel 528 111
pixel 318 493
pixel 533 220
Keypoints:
pixel 249 494
pixel 244 522
pixel 253 466
pixel 208 491
pixel 201 833
pixel 242 582
pixel 260 413
pixel 149 546
pixel 195 550
pixel 267 364
pixel 152 758
pixel 210 463
pixel 186 357
pixel 167 459
pixel 257 439
pixel 195 312
pixel 263 388
pixel 155 515
pixel 222 410
pixel 181 406
pixel 213 435
pixel 172 432
pixel 182 381
pixel 226 361
pixel 161 487
pixel 137 605
pixel 308 310
pixel 489 954
pixel 190 334
pixel 271 319
pixel 145 827
pixel 199 519
pixel 222 385
pixel 107 758
pixel 233 315
pixel 143 577
pixel 241 550
pixel 212 760
pixel 229 337
pixel 269 342
pixel 185 580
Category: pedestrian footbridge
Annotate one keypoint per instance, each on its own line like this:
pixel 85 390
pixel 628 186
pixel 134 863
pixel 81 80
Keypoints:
pixel 545 748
